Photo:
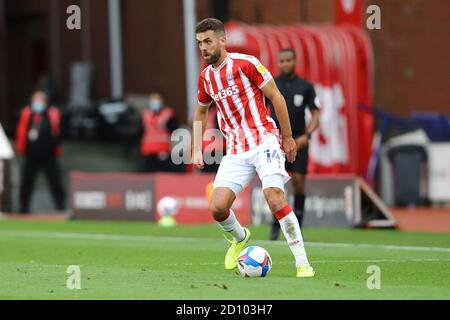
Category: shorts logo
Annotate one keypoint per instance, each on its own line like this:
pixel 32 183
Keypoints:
pixel 298 100
pixel 272 155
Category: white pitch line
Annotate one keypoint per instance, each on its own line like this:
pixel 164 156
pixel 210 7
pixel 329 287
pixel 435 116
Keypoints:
pixel 313 262
pixel 376 246
pixel 322 261
pixel 116 237
pixel 379 260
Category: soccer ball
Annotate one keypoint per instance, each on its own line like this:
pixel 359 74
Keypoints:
pixel 254 262
pixel 167 207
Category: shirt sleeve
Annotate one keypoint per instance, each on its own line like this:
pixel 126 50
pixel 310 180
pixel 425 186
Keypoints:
pixel 202 96
pixel 312 100
pixel 257 73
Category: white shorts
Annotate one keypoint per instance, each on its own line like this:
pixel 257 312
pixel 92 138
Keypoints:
pixel 267 160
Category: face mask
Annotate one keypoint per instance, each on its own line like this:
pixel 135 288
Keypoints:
pixel 155 105
pixel 37 106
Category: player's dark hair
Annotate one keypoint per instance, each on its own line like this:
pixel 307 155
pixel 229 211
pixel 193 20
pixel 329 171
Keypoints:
pixel 210 24
pixel 289 50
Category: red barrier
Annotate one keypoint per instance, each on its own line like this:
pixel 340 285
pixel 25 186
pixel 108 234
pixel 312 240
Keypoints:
pixel 338 60
pixel 190 191
pixel 336 200
pixel 128 196
pixel 296 44
pixel 349 12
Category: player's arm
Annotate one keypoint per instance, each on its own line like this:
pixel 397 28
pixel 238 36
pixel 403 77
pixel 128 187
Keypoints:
pixel 198 127
pixel 271 91
pixel 199 123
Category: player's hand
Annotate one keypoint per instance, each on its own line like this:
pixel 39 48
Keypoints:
pixel 302 141
pixel 197 160
pixel 290 147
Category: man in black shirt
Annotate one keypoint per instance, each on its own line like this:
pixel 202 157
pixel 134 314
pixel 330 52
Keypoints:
pixel 299 95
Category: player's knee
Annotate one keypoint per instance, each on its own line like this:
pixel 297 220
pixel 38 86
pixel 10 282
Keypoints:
pixel 275 199
pixel 221 201
pixel 219 209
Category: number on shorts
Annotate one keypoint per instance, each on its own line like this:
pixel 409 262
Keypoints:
pixel 272 155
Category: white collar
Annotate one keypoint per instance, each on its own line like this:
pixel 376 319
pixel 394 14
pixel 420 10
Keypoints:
pixel 222 64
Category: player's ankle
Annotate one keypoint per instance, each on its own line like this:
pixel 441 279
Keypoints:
pixel 243 239
pixel 301 262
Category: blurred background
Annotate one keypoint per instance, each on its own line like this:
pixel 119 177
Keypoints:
pixel 385 95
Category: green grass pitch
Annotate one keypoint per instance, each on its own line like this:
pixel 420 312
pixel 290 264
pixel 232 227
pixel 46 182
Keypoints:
pixel 143 261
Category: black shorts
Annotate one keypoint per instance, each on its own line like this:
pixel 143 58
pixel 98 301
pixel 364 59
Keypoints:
pixel 300 165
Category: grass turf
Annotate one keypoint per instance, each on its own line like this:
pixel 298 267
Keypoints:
pixel 143 261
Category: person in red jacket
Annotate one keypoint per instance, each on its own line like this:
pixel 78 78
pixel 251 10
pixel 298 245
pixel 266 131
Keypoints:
pixel 158 123
pixel 38 141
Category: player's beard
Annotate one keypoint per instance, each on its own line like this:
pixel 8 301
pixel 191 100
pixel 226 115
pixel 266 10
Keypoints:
pixel 214 57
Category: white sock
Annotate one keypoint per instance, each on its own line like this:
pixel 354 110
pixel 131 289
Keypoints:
pixel 233 227
pixel 291 230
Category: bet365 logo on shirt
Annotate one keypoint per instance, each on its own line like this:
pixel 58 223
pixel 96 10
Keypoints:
pixel 224 93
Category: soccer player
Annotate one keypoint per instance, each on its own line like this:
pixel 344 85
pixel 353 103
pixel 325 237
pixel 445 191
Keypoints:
pixel 237 84
pixel 299 95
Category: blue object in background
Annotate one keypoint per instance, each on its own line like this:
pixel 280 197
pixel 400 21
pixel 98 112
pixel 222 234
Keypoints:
pixel 436 125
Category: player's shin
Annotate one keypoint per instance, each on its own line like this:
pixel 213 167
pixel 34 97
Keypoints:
pixel 231 225
pixel 291 230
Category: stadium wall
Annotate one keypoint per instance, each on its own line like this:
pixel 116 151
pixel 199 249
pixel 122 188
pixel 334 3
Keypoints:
pixel 153 50
pixel 411 72
pixel 411 56
pixel 39 43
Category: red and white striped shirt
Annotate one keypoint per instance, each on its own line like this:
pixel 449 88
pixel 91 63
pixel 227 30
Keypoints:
pixel 235 86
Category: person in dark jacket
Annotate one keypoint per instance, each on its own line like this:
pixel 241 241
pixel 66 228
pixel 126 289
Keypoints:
pixel 38 141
